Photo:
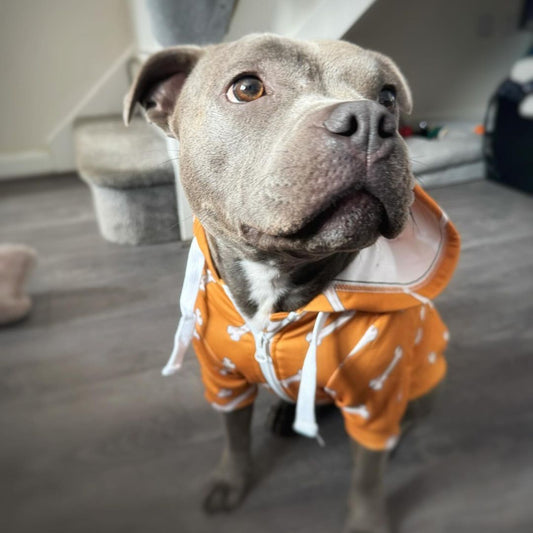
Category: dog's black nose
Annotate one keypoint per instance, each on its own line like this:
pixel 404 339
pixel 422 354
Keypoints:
pixel 364 122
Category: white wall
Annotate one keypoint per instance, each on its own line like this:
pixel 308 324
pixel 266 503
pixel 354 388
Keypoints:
pixel 304 19
pixel 142 28
pixel 453 52
pixel 55 57
pixel 277 16
pixel 60 59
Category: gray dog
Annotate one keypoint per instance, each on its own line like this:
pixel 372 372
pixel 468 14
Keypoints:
pixel 315 256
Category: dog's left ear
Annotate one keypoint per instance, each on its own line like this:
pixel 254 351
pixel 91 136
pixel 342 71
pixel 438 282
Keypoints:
pixel 393 76
pixel 159 82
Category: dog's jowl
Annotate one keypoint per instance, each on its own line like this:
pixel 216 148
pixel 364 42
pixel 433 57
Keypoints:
pixel 316 255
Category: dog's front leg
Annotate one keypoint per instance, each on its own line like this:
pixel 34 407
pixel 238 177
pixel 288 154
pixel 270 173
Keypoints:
pixel 232 476
pixel 366 499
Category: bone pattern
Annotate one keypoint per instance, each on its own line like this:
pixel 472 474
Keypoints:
pixel 377 384
pixel 360 410
pixel 236 332
pixel 332 326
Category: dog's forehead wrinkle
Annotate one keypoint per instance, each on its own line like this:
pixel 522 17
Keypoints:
pixel 276 49
pixel 278 58
pixel 357 69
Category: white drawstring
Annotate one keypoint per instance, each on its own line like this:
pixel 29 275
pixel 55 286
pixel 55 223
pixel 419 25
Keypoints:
pixel 305 421
pixel 189 293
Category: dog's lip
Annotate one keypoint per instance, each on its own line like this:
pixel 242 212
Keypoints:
pixel 334 209
pixel 326 216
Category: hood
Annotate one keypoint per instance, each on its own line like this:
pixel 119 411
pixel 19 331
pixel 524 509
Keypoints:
pixel 391 274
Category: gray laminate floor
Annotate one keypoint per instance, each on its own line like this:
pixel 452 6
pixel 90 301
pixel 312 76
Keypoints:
pixel 94 440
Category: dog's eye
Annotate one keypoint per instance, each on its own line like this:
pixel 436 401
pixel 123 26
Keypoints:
pixel 246 89
pixel 387 97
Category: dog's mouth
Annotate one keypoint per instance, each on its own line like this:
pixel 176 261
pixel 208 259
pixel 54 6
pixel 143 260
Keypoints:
pixel 336 212
pixel 351 220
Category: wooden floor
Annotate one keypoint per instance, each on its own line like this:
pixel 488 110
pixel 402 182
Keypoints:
pixel 94 440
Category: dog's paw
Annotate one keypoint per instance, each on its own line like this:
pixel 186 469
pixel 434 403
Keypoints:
pixel 230 483
pixel 367 515
pixel 223 496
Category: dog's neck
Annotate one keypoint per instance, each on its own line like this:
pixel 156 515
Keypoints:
pixel 261 285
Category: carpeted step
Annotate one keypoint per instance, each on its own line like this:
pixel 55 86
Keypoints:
pixel 131 179
pixel 454 157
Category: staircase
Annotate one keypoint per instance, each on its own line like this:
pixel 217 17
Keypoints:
pixel 131 179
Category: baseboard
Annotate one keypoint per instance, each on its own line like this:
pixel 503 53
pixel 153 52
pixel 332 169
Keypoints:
pixel 26 163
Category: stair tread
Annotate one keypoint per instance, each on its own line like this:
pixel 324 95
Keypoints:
pixel 109 154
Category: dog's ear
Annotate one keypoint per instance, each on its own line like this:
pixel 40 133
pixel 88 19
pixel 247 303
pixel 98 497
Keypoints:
pixel 393 76
pixel 159 82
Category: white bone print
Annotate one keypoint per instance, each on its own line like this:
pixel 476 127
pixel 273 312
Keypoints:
pixel 199 319
pixel 331 392
pixel 292 379
pixel 370 335
pixel 360 410
pixel 330 328
pixel 377 384
pixel 228 364
pixel 236 332
pixel 273 326
pixel 206 278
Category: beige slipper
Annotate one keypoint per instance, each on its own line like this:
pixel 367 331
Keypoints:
pixel 16 262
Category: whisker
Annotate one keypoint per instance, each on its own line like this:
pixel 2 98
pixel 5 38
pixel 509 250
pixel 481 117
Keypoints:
pixel 188 218
pixel 413 219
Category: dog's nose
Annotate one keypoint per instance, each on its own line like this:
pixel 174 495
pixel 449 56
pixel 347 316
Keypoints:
pixel 365 123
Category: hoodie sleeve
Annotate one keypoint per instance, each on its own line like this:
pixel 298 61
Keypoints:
pixel 225 388
pixel 373 386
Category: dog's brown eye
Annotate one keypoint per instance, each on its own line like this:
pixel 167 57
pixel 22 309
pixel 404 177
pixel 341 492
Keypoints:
pixel 387 97
pixel 246 89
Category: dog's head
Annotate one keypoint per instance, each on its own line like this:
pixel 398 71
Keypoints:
pixel 285 145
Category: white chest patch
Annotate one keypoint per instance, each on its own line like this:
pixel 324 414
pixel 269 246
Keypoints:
pixel 266 285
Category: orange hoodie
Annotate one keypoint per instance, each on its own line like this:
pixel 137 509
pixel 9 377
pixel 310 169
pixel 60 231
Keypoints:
pixel 371 342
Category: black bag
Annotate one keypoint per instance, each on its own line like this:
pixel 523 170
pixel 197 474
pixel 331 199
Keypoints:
pixel 508 139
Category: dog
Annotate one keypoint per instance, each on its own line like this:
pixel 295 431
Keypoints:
pixel 315 255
